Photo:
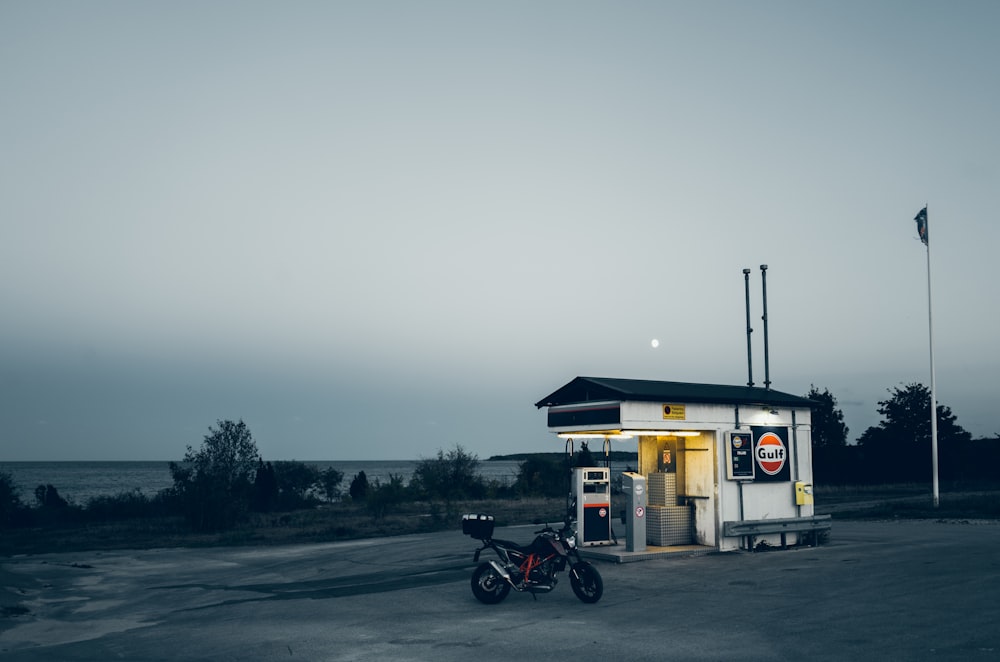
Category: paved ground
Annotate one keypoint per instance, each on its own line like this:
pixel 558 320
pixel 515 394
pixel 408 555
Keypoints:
pixel 885 591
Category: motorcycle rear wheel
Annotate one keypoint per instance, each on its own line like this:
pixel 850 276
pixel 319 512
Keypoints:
pixel 586 582
pixel 488 585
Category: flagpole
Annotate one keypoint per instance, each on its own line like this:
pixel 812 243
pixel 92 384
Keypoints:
pixel 930 338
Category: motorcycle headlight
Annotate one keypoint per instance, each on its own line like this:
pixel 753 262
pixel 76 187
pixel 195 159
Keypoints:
pixel 570 541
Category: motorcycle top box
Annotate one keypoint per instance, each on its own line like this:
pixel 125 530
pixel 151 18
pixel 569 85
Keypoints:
pixel 479 527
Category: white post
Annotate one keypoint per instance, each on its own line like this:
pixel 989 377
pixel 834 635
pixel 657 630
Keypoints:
pixel 930 337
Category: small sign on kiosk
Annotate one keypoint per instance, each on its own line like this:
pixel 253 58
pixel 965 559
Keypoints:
pixel 740 464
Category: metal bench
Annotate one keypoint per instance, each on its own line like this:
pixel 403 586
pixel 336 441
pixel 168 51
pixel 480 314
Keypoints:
pixel 751 528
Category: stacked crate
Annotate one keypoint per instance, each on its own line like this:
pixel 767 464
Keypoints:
pixel 662 489
pixel 666 522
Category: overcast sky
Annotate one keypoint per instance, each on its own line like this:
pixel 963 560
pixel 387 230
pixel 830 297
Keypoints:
pixel 373 230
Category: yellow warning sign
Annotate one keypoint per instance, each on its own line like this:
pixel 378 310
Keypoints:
pixel 673 412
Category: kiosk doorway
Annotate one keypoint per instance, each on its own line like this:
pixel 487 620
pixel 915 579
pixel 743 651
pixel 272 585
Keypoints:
pixel 680 475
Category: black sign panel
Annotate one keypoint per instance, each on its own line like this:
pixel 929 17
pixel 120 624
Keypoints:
pixel 739 451
pixel 771 453
pixel 604 413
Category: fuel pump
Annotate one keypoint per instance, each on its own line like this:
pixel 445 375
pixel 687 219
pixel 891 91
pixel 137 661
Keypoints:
pixel 634 487
pixel 592 489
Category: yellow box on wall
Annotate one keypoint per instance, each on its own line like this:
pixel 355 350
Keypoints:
pixel 803 493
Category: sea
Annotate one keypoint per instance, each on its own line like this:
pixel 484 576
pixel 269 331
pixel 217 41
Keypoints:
pixel 78 482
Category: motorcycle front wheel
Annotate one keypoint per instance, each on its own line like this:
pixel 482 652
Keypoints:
pixel 586 582
pixel 488 585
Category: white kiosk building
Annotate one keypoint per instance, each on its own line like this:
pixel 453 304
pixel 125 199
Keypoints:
pixel 726 467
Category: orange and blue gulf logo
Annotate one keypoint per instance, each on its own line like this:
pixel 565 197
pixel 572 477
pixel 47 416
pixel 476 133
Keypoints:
pixel 771 453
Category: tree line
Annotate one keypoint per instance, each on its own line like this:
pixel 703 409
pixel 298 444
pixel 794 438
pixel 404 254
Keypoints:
pixel 898 448
pixel 221 483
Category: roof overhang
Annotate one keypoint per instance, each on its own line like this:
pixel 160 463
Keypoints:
pixel 597 392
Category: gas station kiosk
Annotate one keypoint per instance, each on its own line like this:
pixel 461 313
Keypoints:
pixel 719 467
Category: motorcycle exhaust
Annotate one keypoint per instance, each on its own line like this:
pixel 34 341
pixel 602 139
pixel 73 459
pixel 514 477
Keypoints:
pixel 503 572
pixel 531 588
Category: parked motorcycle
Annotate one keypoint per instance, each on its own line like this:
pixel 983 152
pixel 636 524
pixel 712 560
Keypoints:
pixel 531 568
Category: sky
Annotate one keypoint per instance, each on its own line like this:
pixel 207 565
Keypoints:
pixel 377 230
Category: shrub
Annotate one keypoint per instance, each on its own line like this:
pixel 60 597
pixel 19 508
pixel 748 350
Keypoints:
pixel 296 482
pixel 265 488
pixel 124 505
pixel 449 476
pixel 542 476
pixel 11 508
pixel 330 480
pixel 359 487
pixel 381 498
pixel 48 496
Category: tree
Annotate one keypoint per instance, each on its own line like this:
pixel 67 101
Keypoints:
pixel 834 462
pixel 48 496
pixel 450 476
pixel 330 481
pixel 383 497
pixel 265 488
pixel 828 428
pixel 542 476
pixel 359 487
pixel 584 458
pixel 215 483
pixel 296 481
pixel 899 447
pixel 10 501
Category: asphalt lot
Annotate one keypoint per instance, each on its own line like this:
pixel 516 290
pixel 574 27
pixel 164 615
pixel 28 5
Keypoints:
pixel 887 591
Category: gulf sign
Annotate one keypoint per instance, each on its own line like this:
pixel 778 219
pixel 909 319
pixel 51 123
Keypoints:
pixel 770 453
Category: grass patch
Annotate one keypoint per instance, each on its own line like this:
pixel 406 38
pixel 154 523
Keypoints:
pixel 836 494
pixel 978 506
pixel 341 521
pixel 16 610
pixel 349 521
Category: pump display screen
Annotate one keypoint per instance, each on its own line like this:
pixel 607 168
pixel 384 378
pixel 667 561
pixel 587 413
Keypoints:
pixel 740 455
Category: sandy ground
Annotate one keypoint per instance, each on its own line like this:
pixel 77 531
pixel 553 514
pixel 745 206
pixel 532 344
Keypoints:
pixel 878 590
pixel 14 588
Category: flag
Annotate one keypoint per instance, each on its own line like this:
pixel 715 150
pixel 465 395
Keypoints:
pixel 921 219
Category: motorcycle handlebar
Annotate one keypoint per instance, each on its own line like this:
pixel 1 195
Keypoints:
pixel 548 528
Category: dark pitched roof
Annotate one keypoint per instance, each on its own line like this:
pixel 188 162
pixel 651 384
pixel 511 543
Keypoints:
pixel 591 389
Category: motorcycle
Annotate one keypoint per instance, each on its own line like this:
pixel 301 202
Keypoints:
pixel 531 568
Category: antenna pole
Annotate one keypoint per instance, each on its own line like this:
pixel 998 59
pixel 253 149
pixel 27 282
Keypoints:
pixel 767 367
pixel 746 284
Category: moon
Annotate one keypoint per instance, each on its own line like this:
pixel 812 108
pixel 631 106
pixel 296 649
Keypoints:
pixel 654 343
